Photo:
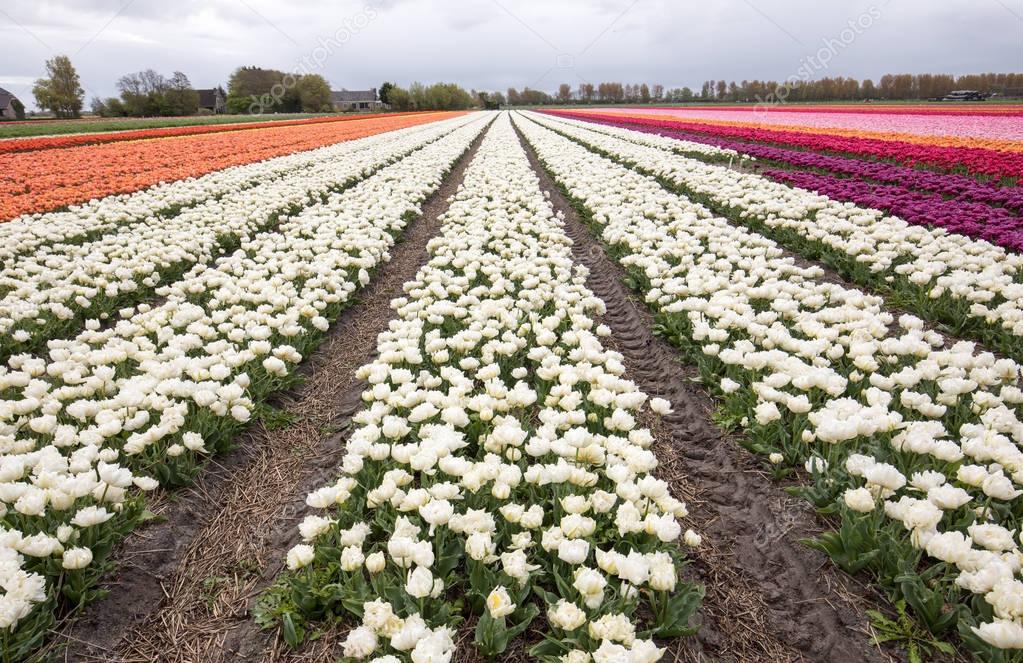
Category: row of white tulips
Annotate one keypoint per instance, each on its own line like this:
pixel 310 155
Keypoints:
pixel 25 235
pixel 968 283
pixel 51 292
pixel 890 422
pixel 498 468
pixel 126 408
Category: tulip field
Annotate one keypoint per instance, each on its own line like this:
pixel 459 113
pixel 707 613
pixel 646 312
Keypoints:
pixel 591 359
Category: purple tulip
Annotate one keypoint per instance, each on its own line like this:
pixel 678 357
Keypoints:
pixel 957 203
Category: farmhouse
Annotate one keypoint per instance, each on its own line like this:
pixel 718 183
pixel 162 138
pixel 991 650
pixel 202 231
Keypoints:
pixel 10 107
pixel 356 100
pixel 212 100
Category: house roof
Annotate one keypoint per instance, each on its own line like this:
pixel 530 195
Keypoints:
pixel 5 98
pixel 345 96
pixel 207 98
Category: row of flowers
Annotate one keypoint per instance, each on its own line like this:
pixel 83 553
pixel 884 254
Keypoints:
pixel 961 188
pixel 955 159
pixel 994 224
pixel 46 180
pixel 140 404
pixel 28 234
pixel 971 285
pixel 977 109
pixel 498 471
pixel 912 445
pixel 77 140
pixel 52 291
pixel 938 129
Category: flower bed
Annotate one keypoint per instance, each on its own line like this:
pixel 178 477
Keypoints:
pixel 51 292
pixel 77 140
pixel 143 402
pixel 970 285
pixel 497 470
pixel 962 127
pixel 955 159
pixel 913 446
pixel 996 225
pixel 51 179
pixel 957 187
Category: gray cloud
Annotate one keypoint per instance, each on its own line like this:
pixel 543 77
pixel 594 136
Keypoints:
pixel 491 44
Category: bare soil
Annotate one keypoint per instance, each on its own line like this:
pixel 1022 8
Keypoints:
pixel 184 585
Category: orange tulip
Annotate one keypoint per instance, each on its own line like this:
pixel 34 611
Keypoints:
pixel 44 180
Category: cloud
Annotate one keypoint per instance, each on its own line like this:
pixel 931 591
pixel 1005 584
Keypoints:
pixel 493 44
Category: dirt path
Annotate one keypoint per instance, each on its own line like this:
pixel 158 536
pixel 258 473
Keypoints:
pixel 184 586
pixel 768 596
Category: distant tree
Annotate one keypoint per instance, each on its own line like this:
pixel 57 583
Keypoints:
pixel 142 93
pixel 19 109
pixel 399 99
pixel 658 92
pixel 868 90
pixel 487 101
pixel 254 87
pixel 513 97
pixel 60 91
pixel 644 93
pixel 438 96
pixel 252 81
pixel 385 91
pixel 110 107
pixel 132 94
pixel 179 96
pixel 313 93
pixel 534 97
pixel 417 95
pixel 586 92
pixel 148 93
pixel 564 93
pixel 611 92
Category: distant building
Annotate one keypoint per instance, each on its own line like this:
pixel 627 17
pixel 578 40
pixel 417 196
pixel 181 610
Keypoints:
pixel 212 101
pixel 10 107
pixel 362 101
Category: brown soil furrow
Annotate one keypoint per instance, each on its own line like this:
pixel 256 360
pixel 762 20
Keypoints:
pixel 186 584
pixel 769 597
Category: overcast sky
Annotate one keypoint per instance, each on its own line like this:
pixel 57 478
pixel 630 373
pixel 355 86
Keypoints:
pixel 493 44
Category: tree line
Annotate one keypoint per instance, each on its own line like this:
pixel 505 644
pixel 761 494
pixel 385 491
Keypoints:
pixel 258 90
pixel 150 94
pixel 438 96
pixel 890 87
pixel 250 90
